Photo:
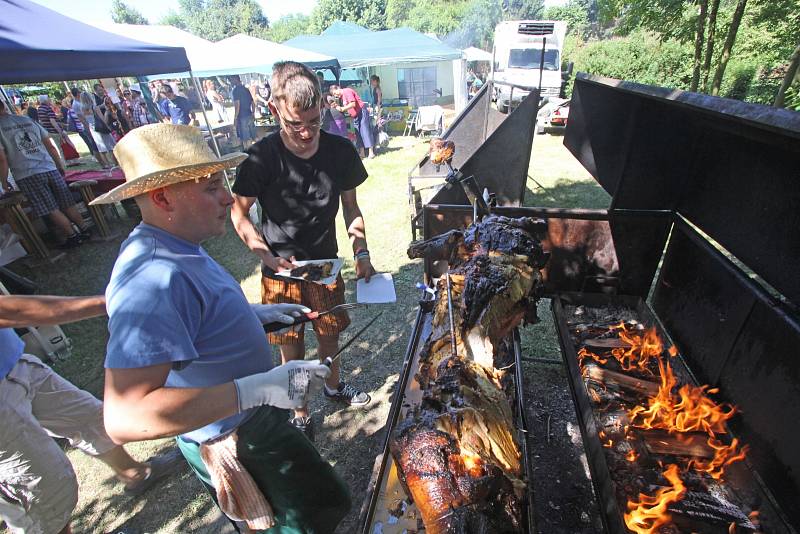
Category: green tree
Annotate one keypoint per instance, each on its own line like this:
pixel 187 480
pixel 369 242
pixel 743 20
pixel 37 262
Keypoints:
pixel 172 18
pixel 523 9
pixel 122 13
pixel 218 19
pixel 368 13
pixel 575 13
pixel 397 12
pixel 288 26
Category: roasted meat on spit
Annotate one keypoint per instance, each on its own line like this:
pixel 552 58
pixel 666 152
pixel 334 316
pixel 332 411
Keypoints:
pixel 457 452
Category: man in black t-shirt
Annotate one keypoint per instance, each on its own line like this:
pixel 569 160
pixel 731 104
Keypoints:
pixel 299 175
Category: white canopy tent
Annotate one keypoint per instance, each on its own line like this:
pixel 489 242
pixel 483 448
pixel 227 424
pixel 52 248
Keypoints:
pixel 240 54
pixel 266 53
pixel 200 52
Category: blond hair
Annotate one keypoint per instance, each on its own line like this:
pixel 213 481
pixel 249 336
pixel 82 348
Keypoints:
pixel 296 85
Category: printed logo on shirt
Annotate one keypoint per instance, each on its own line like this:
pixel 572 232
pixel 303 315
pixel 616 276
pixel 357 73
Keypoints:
pixel 25 143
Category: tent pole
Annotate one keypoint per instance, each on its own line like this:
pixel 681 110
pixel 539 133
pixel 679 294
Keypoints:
pixel 208 123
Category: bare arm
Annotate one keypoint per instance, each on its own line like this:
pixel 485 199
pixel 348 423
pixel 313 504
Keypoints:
pixel 235 110
pixel 50 146
pixel 347 106
pixel 29 310
pixel 249 234
pixel 137 406
pixel 57 126
pixel 354 221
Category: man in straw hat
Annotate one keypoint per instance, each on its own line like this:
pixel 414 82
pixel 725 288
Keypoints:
pixel 187 355
pixel 299 175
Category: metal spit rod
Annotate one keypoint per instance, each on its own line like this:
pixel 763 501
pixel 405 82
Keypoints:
pixel 450 314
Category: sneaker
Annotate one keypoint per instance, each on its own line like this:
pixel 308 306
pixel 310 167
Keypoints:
pixel 304 425
pixel 71 242
pixel 349 395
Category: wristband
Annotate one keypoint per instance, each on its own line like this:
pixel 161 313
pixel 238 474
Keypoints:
pixel 361 254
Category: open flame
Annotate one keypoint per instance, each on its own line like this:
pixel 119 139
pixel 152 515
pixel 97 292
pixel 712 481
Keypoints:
pixel 643 348
pixel 690 411
pixel 724 455
pixel 636 356
pixel 676 409
pixel 649 513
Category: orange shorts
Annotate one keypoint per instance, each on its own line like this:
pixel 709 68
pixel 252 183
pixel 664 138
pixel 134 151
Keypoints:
pixel 318 297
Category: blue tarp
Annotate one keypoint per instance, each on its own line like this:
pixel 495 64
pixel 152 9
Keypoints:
pixel 359 49
pixel 38 44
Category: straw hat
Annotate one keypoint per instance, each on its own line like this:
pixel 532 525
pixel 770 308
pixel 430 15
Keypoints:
pixel 158 155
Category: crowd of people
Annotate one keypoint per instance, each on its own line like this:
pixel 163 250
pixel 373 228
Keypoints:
pixel 187 356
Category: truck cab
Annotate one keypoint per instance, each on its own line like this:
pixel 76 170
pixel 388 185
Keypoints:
pixel 527 53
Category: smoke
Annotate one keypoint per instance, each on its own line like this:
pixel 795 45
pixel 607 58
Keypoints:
pixel 477 26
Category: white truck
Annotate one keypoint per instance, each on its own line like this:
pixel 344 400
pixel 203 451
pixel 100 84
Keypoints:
pixel 527 53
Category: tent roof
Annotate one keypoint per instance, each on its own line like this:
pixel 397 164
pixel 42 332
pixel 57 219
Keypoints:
pixel 37 44
pixel 341 27
pixel 201 53
pixel 401 45
pixel 476 54
pixel 267 53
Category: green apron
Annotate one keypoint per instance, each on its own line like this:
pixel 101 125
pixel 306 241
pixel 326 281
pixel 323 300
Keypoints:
pixel 306 494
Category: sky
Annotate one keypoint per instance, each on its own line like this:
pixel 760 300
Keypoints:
pixel 90 11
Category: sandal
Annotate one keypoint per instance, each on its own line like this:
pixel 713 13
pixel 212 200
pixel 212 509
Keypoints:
pixel 161 466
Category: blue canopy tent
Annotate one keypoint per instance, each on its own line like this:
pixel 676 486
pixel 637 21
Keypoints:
pixel 38 44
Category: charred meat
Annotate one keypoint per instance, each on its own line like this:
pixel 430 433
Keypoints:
pixel 457 452
pixel 313 272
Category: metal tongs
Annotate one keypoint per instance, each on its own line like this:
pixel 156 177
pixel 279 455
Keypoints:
pixel 310 316
pixel 330 359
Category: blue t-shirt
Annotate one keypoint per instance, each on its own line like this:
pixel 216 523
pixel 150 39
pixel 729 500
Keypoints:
pixel 177 110
pixel 168 301
pixel 11 347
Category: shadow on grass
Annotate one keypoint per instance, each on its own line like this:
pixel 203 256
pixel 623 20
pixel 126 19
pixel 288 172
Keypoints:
pixel 152 508
pixel 567 194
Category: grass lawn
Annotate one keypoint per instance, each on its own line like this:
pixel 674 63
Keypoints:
pixel 348 438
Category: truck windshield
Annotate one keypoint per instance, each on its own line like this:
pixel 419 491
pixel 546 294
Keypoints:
pixel 530 58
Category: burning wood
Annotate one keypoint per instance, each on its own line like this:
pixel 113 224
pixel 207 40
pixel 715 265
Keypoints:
pixel 690 444
pixel 619 380
pixel 456 452
pixel 646 515
pixel 670 419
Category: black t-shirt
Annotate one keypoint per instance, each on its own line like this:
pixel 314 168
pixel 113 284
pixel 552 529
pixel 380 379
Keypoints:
pixel 242 94
pixel 300 197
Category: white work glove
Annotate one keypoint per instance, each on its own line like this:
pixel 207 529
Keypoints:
pixel 280 313
pixel 288 386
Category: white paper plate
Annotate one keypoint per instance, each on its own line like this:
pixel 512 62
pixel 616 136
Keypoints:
pixel 337 266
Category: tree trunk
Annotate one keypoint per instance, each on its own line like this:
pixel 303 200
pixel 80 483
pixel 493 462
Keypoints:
pixel 712 30
pixel 794 64
pixel 698 44
pixel 728 46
